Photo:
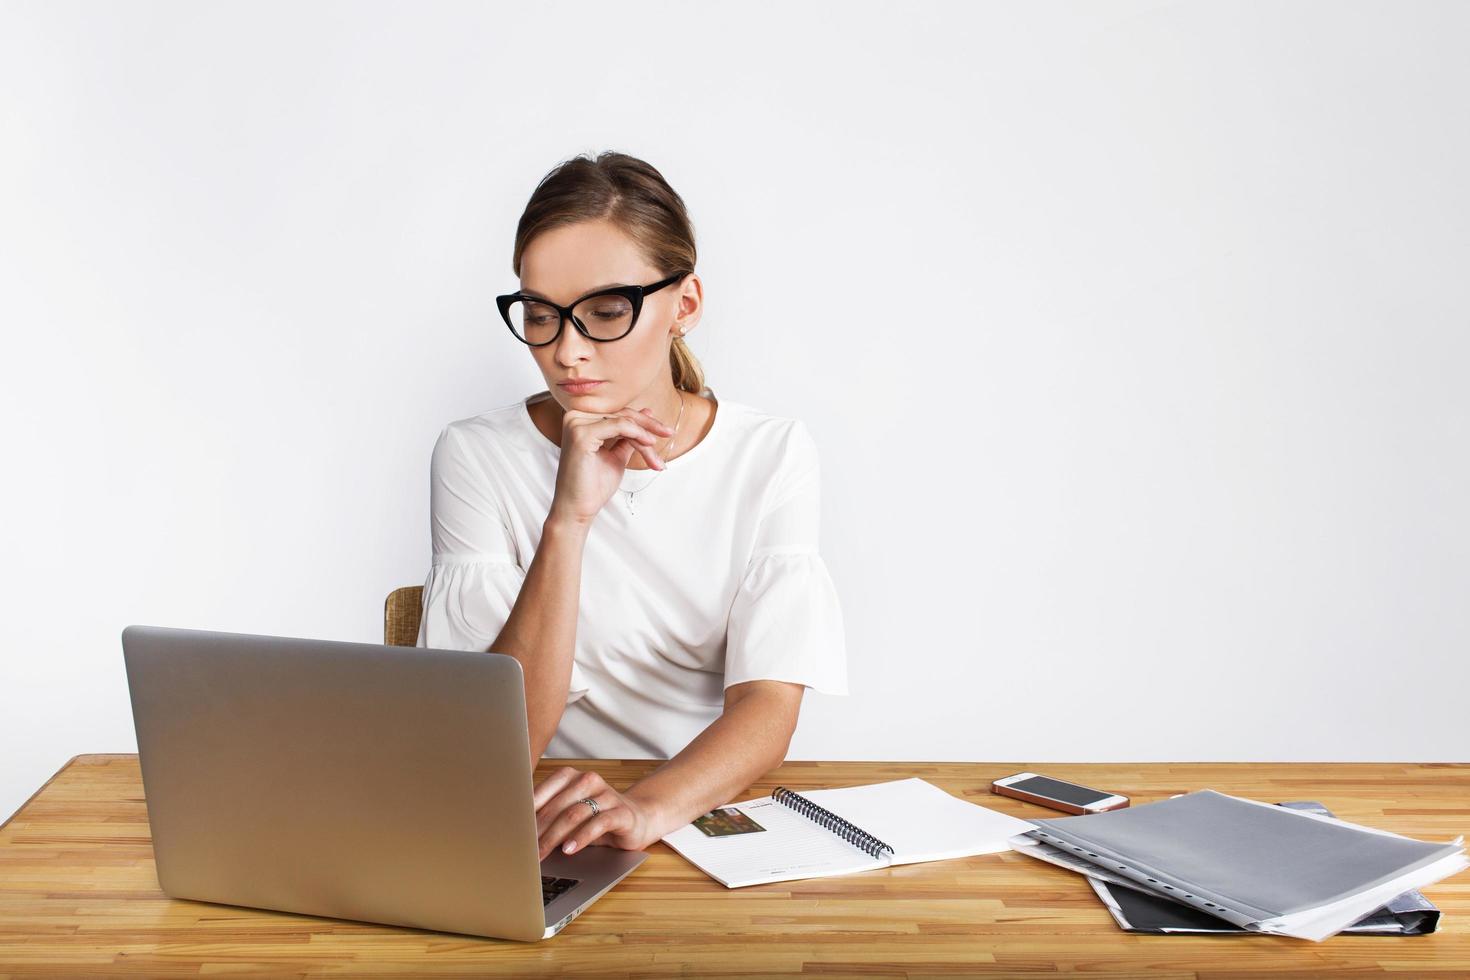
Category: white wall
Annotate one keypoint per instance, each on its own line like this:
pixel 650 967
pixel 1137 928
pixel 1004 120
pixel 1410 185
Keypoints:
pixel 1134 337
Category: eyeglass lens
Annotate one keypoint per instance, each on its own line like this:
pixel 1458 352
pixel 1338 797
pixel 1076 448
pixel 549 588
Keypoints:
pixel 605 317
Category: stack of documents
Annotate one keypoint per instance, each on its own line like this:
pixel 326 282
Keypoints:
pixel 1259 867
pixel 1410 914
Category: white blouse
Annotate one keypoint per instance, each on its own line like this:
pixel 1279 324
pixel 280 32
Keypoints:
pixel 706 576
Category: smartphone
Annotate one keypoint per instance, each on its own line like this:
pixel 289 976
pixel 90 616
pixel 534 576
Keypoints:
pixel 1057 793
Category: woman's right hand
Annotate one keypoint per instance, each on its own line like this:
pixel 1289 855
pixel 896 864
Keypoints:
pixel 595 449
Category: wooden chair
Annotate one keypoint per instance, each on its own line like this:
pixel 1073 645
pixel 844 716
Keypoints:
pixel 401 616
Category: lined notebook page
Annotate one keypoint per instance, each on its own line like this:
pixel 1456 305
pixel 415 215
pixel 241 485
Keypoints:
pixel 791 846
pixel 920 821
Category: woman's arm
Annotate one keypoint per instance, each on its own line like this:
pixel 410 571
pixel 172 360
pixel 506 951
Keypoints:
pixel 541 630
pixel 747 741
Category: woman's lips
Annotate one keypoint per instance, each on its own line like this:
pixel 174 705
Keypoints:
pixel 580 388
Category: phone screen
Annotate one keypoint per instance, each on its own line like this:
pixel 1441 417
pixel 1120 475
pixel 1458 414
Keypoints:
pixel 1055 789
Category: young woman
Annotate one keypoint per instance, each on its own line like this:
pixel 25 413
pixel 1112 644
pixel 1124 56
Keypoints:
pixel 647 551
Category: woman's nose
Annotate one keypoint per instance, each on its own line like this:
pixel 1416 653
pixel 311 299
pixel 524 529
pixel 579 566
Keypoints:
pixel 571 346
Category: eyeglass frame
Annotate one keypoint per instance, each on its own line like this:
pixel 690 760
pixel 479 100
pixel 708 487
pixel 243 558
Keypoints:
pixel 634 294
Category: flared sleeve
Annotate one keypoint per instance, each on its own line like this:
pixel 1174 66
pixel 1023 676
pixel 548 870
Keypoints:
pixel 475 574
pixel 786 619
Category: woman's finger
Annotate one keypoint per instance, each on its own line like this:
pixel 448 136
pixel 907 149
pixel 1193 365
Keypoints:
pixel 562 827
pixel 554 784
pixel 650 455
pixel 587 784
pixel 613 431
pixel 645 417
pixel 642 417
pixel 624 449
pixel 593 830
pixel 663 428
pixel 573 819
pixel 603 431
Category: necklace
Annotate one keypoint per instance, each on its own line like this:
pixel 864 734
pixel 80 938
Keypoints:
pixel 660 473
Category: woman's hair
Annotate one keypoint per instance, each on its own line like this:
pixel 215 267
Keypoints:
pixel 633 196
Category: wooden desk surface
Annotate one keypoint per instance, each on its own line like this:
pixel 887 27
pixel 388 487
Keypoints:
pixel 78 895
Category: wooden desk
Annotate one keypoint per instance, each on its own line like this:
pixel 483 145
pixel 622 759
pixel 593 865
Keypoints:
pixel 78 895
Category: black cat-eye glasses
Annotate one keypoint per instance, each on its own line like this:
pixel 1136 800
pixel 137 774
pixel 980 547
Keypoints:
pixel 608 314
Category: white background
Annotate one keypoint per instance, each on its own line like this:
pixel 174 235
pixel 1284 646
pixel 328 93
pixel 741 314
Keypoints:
pixel 1133 336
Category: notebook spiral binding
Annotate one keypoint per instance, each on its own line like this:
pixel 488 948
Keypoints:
pixel 851 833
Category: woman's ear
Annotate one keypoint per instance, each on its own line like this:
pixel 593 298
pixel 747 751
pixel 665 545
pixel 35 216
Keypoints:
pixel 689 306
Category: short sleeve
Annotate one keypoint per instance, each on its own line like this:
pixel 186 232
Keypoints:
pixel 474 575
pixel 786 619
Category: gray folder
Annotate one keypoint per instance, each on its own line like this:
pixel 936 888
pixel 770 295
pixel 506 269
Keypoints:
pixel 1409 914
pixel 1243 861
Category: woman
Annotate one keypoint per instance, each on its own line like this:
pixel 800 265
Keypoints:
pixel 647 551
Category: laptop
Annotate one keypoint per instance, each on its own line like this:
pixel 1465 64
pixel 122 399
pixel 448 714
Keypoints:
pixel 352 780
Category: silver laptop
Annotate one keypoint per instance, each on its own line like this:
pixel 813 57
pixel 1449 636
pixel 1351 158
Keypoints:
pixel 352 780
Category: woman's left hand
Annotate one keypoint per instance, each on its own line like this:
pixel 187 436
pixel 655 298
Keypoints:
pixel 562 817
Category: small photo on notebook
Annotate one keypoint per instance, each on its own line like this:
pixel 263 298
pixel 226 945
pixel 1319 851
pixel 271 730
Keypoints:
pixel 726 821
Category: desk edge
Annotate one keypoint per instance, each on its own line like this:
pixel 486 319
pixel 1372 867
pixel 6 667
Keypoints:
pixel 67 765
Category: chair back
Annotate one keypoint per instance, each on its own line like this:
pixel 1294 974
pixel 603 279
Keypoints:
pixel 401 616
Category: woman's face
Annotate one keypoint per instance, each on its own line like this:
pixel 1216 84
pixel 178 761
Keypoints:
pixel 568 262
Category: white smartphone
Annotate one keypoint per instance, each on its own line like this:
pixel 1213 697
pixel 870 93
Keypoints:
pixel 1057 793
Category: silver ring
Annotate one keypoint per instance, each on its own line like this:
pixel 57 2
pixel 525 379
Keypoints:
pixel 593 804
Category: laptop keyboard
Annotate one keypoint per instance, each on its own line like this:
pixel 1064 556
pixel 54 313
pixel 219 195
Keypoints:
pixel 552 887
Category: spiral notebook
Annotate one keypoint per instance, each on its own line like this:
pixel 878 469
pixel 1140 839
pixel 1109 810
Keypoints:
pixel 819 833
